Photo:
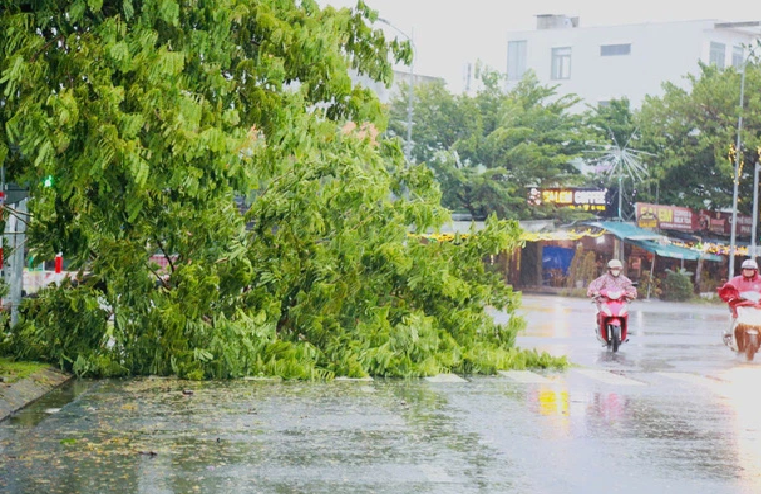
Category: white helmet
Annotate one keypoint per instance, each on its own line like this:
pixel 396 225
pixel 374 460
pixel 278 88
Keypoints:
pixel 750 264
pixel 615 264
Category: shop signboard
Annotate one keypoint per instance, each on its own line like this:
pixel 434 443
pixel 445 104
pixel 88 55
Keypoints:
pixel 721 223
pixel 569 197
pixel 666 217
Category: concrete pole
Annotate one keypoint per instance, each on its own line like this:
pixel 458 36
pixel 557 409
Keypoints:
pixel 733 231
pixel 15 230
pixel 755 211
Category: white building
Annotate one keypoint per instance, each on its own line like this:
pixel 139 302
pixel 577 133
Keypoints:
pixel 386 94
pixel 602 63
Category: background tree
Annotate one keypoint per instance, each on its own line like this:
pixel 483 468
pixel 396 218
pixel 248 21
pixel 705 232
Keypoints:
pixel 439 119
pixel 618 152
pixel 505 143
pixel 694 129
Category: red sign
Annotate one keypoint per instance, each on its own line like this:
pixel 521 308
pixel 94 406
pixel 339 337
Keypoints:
pixel 721 223
pixel 668 217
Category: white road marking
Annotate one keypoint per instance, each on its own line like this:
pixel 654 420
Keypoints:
pixel 522 376
pixel 717 386
pixel 445 378
pixel 608 377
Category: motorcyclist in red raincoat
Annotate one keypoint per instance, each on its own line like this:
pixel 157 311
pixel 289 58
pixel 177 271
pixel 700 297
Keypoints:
pixel 748 281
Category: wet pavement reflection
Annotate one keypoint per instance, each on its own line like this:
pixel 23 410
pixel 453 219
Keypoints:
pixel 674 411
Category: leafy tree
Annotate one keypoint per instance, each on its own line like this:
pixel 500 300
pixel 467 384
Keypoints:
pixel 618 146
pixel 507 142
pixel 693 130
pixel 438 119
pixel 152 115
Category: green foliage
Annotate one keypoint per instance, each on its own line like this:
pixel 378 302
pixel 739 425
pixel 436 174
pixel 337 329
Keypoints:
pixel 15 371
pixel 64 326
pixel 692 130
pixel 485 150
pixel 152 116
pixel 677 286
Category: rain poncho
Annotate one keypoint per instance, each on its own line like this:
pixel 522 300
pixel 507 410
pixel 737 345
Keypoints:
pixel 744 284
pixel 611 283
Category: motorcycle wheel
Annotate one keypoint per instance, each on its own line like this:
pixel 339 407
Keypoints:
pixel 608 335
pixel 616 337
pixel 751 345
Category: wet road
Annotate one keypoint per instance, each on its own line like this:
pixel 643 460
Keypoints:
pixel 674 412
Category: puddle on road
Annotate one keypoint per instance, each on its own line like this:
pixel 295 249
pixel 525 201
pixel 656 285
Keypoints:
pixel 146 436
pixel 55 399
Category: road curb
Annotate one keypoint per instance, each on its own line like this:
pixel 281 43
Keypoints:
pixel 15 396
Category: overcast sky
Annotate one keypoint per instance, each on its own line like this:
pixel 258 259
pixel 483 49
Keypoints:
pixel 450 33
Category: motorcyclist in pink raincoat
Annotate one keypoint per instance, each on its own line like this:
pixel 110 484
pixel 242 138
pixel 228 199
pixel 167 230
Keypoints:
pixel 613 280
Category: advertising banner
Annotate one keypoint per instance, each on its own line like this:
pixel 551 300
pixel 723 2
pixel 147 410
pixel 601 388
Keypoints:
pixel 666 217
pixel 571 197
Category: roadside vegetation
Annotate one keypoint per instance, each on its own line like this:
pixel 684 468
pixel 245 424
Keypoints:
pixel 152 117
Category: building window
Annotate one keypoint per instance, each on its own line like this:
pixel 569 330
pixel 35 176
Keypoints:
pixel 615 50
pixel 738 57
pixel 561 63
pixel 516 60
pixel 716 56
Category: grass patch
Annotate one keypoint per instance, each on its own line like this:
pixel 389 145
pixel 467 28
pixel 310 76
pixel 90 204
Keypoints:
pixel 13 371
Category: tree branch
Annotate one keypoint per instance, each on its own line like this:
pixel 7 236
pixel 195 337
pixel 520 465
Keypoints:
pixel 159 277
pixel 163 251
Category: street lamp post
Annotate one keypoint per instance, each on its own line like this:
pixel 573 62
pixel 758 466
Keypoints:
pixel 411 96
pixel 735 192
pixel 733 228
pixel 754 232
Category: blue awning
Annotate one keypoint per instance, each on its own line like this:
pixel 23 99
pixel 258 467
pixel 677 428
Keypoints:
pixel 626 231
pixel 669 250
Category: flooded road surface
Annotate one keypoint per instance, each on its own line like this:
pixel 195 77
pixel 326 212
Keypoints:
pixel 673 412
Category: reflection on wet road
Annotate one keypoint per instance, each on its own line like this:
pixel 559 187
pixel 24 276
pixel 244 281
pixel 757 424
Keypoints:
pixel 675 411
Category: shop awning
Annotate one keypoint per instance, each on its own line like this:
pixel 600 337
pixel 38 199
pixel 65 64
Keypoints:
pixel 626 231
pixel 668 250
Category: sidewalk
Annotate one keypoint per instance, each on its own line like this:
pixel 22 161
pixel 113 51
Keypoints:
pixel 16 395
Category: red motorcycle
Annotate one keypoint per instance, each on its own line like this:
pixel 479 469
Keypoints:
pixel 745 325
pixel 613 319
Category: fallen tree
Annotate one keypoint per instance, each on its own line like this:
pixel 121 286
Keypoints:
pixel 152 116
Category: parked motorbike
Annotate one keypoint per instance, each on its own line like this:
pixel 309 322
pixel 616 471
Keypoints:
pixel 613 319
pixel 745 323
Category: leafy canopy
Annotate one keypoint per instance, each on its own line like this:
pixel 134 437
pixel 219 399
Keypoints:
pixel 152 115
pixel 693 131
pixel 488 148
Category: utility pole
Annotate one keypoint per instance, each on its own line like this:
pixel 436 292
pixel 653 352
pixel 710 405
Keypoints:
pixel 733 230
pixel 756 169
pixel 15 236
